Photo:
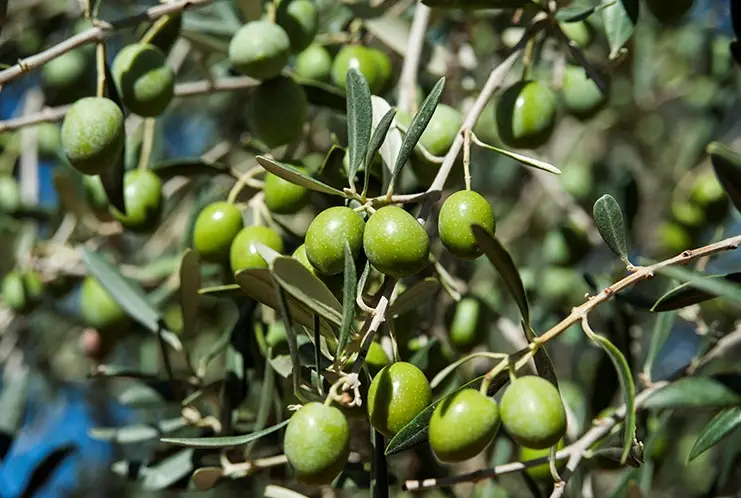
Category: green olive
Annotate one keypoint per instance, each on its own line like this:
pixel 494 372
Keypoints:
pixel 396 395
pixel 260 50
pixel 49 137
pixel 442 129
pixel 674 237
pixel 395 243
pixel 580 32
pixel 21 291
pixel 243 253
pixel 215 229
pixel 463 425
pixel 143 201
pixel 581 96
pixel 69 76
pixel 465 327
pixel 362 59
pixel 300 20
pixel 97 307
pixel 276 334
pixel 93 135
pixel 145 81
pixel 459 211
pixel 669 11
pixel 540 472
pixel 317 443
pixel 327 235
pixel 173 318
pixel 314 63
pixel 10 195
pixel 688 214
pixel 384 68
pixel 376 358
pixel 284 197
pixel 533 413
pixel 526 114
pixel 277 111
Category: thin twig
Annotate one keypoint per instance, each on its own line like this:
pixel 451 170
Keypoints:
pixel 408 76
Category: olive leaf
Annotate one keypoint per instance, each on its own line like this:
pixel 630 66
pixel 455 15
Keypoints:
pixel 416 128
pixel 662 329
pixel 721 426
pixel 137 433
pixel 476 4
pixel 377 140
pixel 167 471
pixel 620 18
pixel 190 282
pixel 721 287
pixel 349 291
pixel 609 220
pixel 419 293
pixel 688 294
pixel 502 261
pixel 228 291
pixel 113 178
pixel 575 13
pixel 359 120
pixel 527 161
pixel 128 295
pixel 727 166
pixel 295 176
pixel 694 392
pixel 222 442
pixel 189 167
pixel 543 363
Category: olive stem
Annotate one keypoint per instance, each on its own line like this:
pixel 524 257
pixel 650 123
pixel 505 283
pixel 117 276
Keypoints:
pixel 407 87
pixel 467 157
pixel 156 28
pixel 446 279
pixel 245 180
pixel 443 374
pixel 552 465
pixel 100 59
pixel 150 125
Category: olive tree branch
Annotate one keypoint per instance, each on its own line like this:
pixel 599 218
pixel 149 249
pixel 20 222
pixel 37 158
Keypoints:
pixel 408 77
pixel 97 33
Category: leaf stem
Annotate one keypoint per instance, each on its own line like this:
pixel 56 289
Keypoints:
pixel 100 60
pixel 467 157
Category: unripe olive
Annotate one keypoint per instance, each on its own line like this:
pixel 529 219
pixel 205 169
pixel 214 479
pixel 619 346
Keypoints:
pixel 69 75
pixel 326 237
pixel 260 50
pixel 10 195
pixel 533 413
pixel 145 81
pixel 282 196
pixel 362 59
pixel 97 307
pixel 49 136
pixel 277 111
pixel 459 211
pixel 243 253
pixel 526 114
pixel 93 135
pixel 22 291
pixel 396 395
pixel 465 326
pixel 314 63
pixel 276 334
pixel 376 358
pixel 540 472
pixel 300 20
pixel 143 201
pixel 581 96
pixel 440 132
pixel 674 237
pixel 463 425
pixel 580 32
pixel 395 243
pixel 385 70
pixel 215 229
pixel 317 443
pixel 173 318
pixel 669 11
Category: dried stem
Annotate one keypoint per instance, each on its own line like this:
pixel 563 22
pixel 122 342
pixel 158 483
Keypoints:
pixel 408 77
pixel 100 60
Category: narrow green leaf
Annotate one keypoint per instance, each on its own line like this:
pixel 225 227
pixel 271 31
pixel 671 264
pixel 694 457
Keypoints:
pixel 721 426
pixel 419 293
pixel 620 18
pixel 727 166
pixel 609 220
pixel 349 291
pixel 476 4
pixel 189 167
pixel 543 363
pixel 626 386
pixel 527 161
pixel 300 283
pixel 715 286
pixel 502 261
pixel 417 127
pixel 688 294
pixel 190 282
pixel 112 178
pixel 128 295
pixel 166 472
pixel 693 392
pixel 575 13
pixel 137 433
pixel 359 119
pixel 222 442
pixel 662 329
pixel 379 136
pixel 229 291
pixel 293 175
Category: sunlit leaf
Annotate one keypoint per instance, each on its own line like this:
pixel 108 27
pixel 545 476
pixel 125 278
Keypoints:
pixel 609 220
pixel 224 441
pixel 526 160
pixel 293 175
pixel 359 119
pixel 619 18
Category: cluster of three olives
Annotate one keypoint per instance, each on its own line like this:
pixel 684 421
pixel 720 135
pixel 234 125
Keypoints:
pixel 464 424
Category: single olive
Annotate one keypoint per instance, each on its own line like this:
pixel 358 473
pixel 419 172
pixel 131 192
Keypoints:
pixel 49 136
pixel 574 398
pixel 143 201
pixel 395 243
pixel 260 50
pixel 14 292
pixel 276 334
pixel 362 59
pixel 300 20
pixel 396 395
pixel 314 63
pixel 540 472
pixel 144 79
pixel 10 194
pixel 533 413
pixel 580 95
pixel 277 111
pixel 243 252
pixel 669 11
pixel 580 32
pixel 526 114
pixel 327 235
pixel 674 237
pixel 173 318
pixel 466 324
pixel 333 282
pixel 441 131
pixel 385 70
pixel 93 135
pixel 317 443
pixel 284 197
pixel 97 307
pixel 69 75
pixel 215 229
pixel 376 358
pixel 459 211
pixel 463 425
pixel 688 214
